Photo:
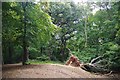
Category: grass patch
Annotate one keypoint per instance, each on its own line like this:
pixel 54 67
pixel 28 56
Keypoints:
pixel 44 62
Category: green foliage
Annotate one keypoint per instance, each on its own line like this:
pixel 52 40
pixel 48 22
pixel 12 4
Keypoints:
pixel 75 30
pixel 86 55
pixel 33 52
pixel 43 58
pixel 67 17
pixel 39 28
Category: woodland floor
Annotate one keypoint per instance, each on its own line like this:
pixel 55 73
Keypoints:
pixel 49 71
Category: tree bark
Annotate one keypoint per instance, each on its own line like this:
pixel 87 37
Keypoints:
pixel 25 51
pixel 95 59
pixel 10 53
pixel 86 31
pixel 94 66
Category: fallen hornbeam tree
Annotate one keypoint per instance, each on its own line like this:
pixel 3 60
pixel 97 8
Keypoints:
pixel 93 66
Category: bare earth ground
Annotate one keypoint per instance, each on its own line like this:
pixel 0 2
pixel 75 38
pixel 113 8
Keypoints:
pixel 48 71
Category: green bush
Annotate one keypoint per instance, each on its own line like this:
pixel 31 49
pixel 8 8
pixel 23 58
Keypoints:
pixel 43 58
pixel 85 55
pixel 33 53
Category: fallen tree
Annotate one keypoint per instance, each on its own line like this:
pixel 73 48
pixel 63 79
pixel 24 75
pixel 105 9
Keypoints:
pixel 96 65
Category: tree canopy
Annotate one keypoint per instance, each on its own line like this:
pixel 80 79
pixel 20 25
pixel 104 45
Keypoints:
pixel 49 31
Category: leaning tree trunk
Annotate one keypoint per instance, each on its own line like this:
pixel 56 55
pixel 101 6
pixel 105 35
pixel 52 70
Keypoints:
pixel 25 52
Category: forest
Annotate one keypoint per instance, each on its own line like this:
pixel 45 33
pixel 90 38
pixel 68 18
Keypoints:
pixel 49 32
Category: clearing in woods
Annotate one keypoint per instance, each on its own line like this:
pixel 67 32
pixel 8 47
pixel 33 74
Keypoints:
pixel 49 71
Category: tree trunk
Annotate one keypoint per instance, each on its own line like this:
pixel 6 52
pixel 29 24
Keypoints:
pixel 9 53
pixel 86 31
pixel 25 51
pixel 62 52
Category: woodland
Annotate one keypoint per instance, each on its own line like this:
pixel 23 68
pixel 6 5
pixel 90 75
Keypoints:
pixel 49 32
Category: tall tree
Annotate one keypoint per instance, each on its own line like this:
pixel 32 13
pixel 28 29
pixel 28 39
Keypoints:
pixel 67 16
pixel 25 50
pixel 23 28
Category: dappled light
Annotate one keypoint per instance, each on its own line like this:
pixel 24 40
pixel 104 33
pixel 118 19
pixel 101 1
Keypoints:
pixel 76 39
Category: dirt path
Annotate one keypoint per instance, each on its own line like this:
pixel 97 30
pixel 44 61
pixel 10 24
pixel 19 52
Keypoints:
pixel 47 71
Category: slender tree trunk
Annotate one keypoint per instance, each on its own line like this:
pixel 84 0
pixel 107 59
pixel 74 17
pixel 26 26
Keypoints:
pixel 25 52
pixel 86 31
pixel 85 28
pixel 63 46
pixel 10 53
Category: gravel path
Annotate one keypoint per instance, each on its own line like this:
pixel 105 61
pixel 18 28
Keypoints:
pixel 47 71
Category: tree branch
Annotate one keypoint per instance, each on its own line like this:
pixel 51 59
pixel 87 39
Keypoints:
pixel 95 59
